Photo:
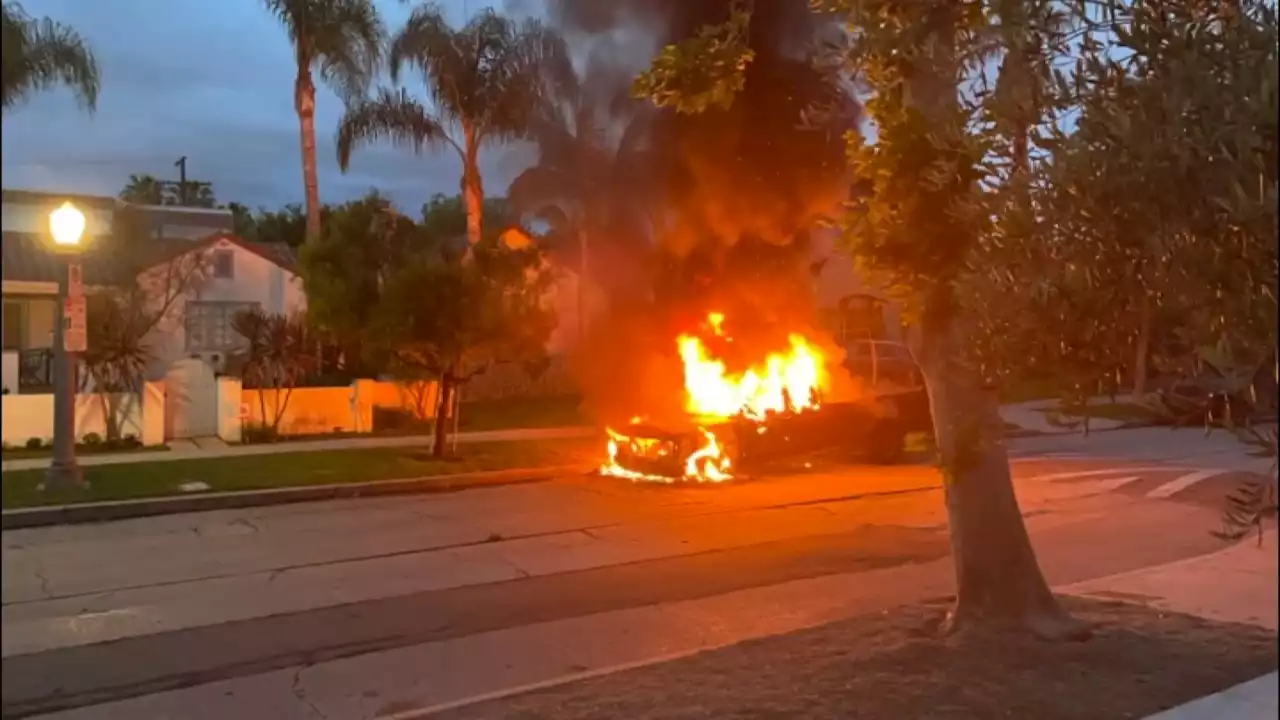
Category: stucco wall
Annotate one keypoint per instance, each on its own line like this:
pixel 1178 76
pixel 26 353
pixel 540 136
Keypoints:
pixel 254 279
pixel 28 416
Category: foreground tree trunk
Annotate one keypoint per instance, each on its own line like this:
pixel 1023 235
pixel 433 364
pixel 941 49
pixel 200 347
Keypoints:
pixel 1143 349
pixel 444 404
pixel 998 581
pixel 304 100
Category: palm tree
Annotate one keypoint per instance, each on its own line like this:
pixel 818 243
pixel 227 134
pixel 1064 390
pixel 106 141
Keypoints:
pixel 39 54
pixel 484 80
pixel 587 186
pixel 341 41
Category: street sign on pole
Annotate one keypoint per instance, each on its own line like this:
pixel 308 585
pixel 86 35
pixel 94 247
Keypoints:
pixel 75 280
pixel 75 332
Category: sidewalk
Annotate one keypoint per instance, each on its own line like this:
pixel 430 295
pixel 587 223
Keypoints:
pixel 301 446
pixel 1238 584
pixel 1030 415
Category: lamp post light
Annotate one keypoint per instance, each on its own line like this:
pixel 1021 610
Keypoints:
pixel 66 226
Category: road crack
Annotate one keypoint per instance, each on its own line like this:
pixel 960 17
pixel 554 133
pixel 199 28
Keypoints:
pixel 301 694
pixel 44 582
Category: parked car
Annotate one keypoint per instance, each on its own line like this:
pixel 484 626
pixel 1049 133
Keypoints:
pixel 874 426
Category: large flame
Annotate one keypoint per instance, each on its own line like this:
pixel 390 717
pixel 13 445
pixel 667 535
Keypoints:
pixel 783 382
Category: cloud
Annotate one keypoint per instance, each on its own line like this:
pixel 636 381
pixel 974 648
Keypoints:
pixel 213 82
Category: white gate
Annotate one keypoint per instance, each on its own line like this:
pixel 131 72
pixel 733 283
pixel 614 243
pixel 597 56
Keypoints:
pixel 190 400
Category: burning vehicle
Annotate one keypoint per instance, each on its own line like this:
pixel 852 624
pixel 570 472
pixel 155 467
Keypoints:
pixel 739 417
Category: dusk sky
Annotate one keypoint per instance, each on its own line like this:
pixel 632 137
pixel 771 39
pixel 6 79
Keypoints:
pixel 214 82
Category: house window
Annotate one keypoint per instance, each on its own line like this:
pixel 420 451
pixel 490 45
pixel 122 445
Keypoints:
pixel 224 264
pixel 14 325
pixel 209 326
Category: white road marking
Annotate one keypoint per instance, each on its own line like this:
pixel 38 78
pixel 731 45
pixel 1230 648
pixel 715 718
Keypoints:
pixel 1105 471
pixel 1182 483
pixel 1117 483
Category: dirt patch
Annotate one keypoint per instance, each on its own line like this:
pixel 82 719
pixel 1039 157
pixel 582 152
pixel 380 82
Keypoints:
pixel 1139 662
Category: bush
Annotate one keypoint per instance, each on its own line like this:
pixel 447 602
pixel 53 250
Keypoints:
pixel 91 440
pixel 397 420
pixel 130 441
pixel 259 434
pixel 34 443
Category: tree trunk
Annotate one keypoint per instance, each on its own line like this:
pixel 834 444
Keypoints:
pixel 1143 349
pixel 998 581
pixel 473 187
pixel 444 402
pixel 304 100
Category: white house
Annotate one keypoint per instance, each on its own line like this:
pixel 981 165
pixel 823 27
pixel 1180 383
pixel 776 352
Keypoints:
pixel 240 274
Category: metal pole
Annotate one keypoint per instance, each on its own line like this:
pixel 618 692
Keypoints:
pixel 182 180
pixel 64 471
pixel 582 289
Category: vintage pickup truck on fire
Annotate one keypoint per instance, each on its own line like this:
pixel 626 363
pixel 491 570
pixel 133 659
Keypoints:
pixel 875 427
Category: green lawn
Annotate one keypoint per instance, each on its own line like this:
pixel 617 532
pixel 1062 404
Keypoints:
pixel 153 479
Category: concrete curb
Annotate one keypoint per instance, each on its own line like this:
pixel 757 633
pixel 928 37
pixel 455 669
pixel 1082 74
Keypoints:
pixel 94 512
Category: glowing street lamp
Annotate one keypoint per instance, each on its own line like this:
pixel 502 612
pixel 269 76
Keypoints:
pixel 66 226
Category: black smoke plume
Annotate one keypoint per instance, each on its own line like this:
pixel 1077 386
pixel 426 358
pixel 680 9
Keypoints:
pixel 730 196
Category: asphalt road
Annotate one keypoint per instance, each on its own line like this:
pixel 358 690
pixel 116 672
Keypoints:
pixel 93 614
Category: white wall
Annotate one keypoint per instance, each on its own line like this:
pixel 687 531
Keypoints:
pixel 28 416
pixel 254 279
pixel 839 277
pixel 11 371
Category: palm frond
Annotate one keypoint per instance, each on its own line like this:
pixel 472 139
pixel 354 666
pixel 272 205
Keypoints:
pixel 525 65
pixel 441 55
pixel 348 45
pixel 341 39
pixel 391 115
pixel 39 54
pixel 542 186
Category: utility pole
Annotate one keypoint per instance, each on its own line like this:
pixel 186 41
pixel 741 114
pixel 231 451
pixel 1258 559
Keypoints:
pixel 184 197
pixel 182 179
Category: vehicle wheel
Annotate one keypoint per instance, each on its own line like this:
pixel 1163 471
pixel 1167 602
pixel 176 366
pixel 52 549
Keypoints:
pixel 886 442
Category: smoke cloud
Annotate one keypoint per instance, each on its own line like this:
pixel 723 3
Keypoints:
pixel 726 198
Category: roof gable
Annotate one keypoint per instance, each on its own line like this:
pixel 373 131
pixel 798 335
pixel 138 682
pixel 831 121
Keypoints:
pixel 278 254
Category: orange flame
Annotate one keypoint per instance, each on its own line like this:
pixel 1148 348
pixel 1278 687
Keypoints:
pixel 788 381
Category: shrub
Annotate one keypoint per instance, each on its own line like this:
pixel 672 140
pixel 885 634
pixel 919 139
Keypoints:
pixel 257 433
pixel 91 439
pixel 34 443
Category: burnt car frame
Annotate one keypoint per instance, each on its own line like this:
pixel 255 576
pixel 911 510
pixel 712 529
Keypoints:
pixel 875 427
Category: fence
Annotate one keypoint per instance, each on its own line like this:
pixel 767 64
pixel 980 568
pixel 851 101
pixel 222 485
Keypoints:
pixel 31 416
pixel 303 411
pixel 318 410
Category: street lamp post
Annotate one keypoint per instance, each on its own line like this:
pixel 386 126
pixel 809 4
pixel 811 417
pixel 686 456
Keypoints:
pixel 66 226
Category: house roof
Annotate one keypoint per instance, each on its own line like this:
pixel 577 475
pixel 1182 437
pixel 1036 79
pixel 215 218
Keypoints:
pixel 26 257
pixel 278 254
pixel 33 197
